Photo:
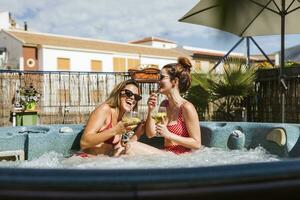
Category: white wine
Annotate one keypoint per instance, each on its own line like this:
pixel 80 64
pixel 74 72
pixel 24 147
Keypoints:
pixel 158 117
pixel 132 126
pixel 131 120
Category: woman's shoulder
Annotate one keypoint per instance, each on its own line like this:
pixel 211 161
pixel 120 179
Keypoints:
pixel 187 107
pixel 103 108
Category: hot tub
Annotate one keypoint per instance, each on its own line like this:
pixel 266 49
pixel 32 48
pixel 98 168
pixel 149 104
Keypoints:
pixel 263 180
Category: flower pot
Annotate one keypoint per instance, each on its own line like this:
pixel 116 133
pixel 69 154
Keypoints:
pixel 30 106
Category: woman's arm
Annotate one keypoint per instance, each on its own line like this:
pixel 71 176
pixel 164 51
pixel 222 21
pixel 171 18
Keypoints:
pixel 138 131
pixel 97 120
pixel 150 126
pixel 150 122
pixel 191 121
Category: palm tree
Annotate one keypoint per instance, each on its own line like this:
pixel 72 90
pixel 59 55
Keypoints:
pixel 227 90
pixel 198 95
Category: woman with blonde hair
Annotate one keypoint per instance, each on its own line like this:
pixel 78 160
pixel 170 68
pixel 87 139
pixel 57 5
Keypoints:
pixel 181 130
pixel 104 129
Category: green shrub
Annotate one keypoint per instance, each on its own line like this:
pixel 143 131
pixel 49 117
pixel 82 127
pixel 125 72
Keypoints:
pixel 225 91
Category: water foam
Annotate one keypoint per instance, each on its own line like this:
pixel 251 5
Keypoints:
pixel 204 157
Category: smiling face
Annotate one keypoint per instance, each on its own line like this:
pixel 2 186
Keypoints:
pixel 127 97
pixel 165 83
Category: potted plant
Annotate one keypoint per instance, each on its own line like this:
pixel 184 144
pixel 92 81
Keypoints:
pixel 29 97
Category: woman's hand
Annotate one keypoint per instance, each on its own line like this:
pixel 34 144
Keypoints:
pixel 122 127
pixel 140 129
pixel 152 101
pixel 162 130
pixel 119 150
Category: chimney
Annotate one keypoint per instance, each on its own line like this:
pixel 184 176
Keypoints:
pixel 12 22
pixel 25 26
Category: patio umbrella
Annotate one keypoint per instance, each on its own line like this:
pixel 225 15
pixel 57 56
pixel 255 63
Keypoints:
pixel 246 18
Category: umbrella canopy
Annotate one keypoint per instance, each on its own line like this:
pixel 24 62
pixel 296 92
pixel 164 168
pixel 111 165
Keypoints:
pixel 246 17
pixel 250 18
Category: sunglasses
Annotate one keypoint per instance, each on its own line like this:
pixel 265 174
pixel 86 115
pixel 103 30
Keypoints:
pixel 161 77
pixel 129 94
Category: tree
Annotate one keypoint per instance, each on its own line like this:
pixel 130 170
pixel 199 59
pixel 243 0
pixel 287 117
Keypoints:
pixel 226 91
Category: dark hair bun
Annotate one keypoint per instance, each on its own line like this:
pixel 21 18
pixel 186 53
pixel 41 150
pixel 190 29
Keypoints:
pixel 185 62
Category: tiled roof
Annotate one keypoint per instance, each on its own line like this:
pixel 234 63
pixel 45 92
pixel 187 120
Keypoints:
pixel 263 58
pixel 149 39
pixel 33 38
pixel 217 54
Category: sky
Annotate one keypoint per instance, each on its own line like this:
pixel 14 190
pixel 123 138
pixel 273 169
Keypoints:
pixel 127 20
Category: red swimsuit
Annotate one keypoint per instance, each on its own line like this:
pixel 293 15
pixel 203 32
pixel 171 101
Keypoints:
pixel 108 141
pixel 179 129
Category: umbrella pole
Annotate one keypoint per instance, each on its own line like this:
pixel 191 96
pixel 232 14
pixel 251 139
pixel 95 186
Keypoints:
pixel 281 77
pixel 262 51
pixel 226 55
pixel 248 51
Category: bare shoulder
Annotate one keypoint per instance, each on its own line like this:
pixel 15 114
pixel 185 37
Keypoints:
pixel 188 107
pixel 98 117
pixel 189 111
pixel 102 109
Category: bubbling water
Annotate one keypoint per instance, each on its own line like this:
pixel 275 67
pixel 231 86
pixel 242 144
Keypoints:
pixel 204 157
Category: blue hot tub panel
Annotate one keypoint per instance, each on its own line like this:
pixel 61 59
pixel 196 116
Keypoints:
pixel 279 139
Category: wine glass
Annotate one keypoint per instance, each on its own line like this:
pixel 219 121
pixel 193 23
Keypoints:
pixel 132 119
pixel 159 115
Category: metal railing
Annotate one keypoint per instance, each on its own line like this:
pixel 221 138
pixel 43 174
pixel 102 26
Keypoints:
pixel 67 97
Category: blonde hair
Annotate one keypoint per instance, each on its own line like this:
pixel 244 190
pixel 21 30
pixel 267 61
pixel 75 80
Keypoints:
pixel 113 99
pixel 182 71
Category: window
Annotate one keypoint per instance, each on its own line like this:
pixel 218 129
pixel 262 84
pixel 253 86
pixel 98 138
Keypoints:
pixel 63 64
pixel 197 66
pixel 133 63
pixel 96 66
pixel 205 66
pixel 119 64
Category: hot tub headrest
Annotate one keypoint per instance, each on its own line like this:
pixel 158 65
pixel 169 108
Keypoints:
pixel 277 135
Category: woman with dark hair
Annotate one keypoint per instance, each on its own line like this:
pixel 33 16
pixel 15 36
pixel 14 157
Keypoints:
pixel 104 129
pixel 180 129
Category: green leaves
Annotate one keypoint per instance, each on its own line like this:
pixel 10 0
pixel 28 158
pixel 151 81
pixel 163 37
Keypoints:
pixel 28 96
pixel 228 89
pixel 237 81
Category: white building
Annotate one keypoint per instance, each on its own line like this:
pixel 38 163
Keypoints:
pixel 155 42
pixel 27 50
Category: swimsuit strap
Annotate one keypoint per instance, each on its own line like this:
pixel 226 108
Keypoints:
pixel 110 140
pixel 180 115
pixel 110 123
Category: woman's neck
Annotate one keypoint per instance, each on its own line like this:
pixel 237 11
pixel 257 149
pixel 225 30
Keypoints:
pixel 174 98
pixel 119 113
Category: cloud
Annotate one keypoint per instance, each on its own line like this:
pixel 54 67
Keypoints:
pixel 120 20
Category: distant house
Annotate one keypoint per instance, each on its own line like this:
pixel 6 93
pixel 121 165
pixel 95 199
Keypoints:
pixel 155 42
pixel 206 59
pixel 260 59
pixel 26 50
